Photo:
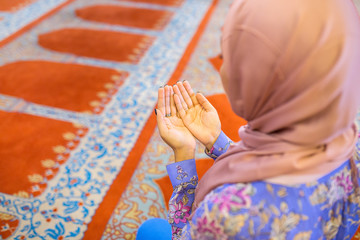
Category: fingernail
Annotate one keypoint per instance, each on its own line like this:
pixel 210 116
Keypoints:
pixel 155 111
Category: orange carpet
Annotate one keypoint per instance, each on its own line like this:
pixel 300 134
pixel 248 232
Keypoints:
pixel 113 46
pixel 164 2
pixel 13 5
pixel 48 143
pixel 58 84
pixel 133 17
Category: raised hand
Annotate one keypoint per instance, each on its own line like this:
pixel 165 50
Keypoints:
pixel 171 127
pixel 197 113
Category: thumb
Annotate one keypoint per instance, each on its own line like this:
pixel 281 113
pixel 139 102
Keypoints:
pixel 204 102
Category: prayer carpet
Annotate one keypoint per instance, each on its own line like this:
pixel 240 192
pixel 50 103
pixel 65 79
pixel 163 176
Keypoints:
pixel 80 155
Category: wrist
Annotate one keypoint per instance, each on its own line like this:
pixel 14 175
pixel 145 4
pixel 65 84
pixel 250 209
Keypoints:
pixel 184 154
pixel 220 146
pixel 212 141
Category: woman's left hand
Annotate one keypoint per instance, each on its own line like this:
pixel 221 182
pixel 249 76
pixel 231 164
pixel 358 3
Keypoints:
pixel 197 113
pixel 171 127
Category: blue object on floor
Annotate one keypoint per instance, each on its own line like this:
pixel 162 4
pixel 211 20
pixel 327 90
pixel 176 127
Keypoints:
pixel 154 229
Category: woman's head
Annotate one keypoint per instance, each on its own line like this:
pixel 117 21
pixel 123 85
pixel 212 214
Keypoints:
pixel 292 67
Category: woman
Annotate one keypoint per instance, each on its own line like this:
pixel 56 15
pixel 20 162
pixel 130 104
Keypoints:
pixel 291 69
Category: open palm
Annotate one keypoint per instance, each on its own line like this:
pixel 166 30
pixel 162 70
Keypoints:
pixel 198 115
pixel 171 127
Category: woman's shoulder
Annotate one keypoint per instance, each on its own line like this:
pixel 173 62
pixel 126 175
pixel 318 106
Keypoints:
pixel 261 210
pixel 234 210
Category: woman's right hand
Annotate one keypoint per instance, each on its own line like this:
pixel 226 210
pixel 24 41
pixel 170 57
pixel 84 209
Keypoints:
pixel 197 113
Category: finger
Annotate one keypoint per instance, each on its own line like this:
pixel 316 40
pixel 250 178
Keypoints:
pixel 204 102
pixel 178 93
pixel 161 100
pixel 179 106
pixel 190 92
pixel 167 101
pixel 185 95
pixel 160 118
pixel 172 103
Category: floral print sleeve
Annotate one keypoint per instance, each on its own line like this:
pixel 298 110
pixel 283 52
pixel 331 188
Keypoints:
pixel 184 179
pixel 221 145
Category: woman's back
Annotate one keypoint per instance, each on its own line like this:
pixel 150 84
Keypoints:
pixel 325 209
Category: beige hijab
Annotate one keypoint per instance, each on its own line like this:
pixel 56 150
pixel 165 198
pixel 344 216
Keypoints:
pixel 293 72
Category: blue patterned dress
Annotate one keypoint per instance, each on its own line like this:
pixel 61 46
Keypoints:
pixel 328 208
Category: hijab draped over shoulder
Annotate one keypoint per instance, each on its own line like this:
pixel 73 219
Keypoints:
pixel 293 70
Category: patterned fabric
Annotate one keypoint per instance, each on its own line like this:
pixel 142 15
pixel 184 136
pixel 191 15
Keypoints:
pixel 325 209
pixel 183 196
pixel 185 182
pixel 220 146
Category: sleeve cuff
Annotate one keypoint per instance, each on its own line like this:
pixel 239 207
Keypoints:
pixel 181 172
pixel 220 146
